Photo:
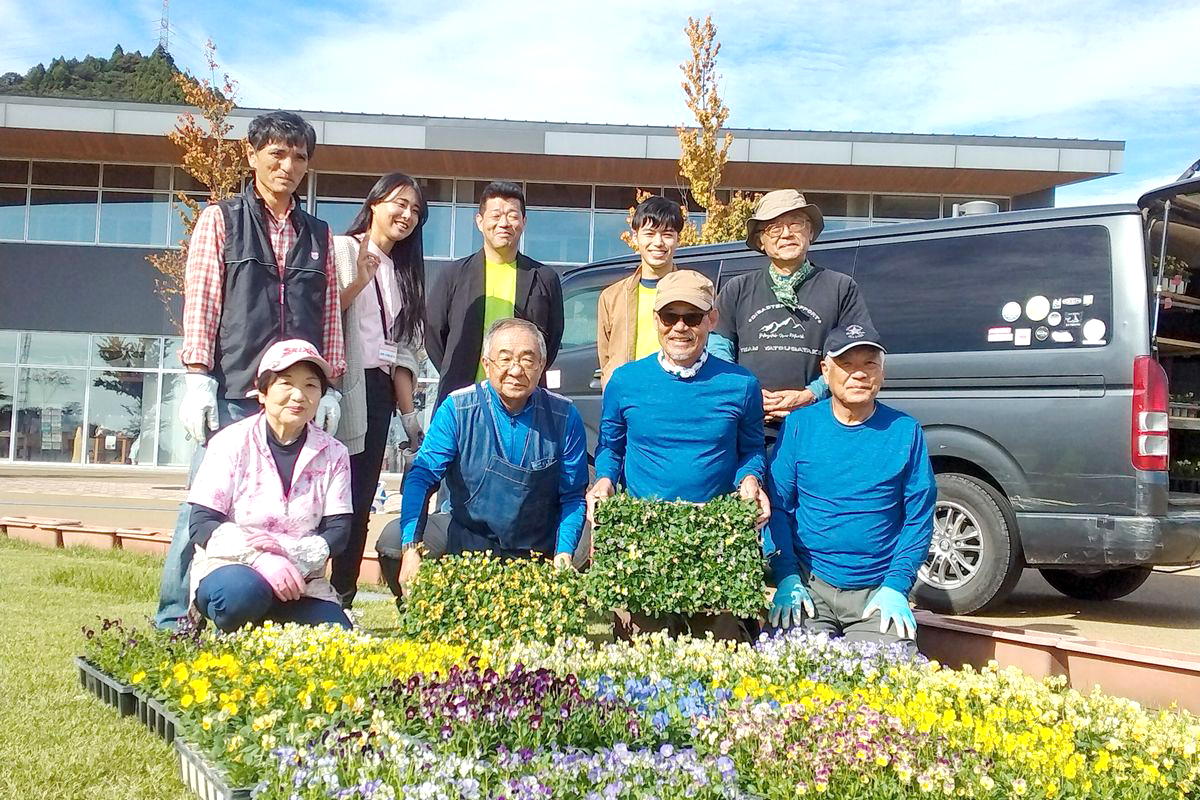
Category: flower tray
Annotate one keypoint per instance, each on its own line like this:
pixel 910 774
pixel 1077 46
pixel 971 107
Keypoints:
pixel 43 531
pixel 108 689
pixel 203 779
pixel 157 719
pixel 95 536
pixel 368 570
pixel 144 540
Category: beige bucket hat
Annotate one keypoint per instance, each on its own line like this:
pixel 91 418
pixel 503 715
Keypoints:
pixel 775 204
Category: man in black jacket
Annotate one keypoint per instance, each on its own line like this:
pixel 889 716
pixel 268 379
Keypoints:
pixel 492 284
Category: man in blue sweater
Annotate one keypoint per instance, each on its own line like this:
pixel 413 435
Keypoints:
pixel 852 495
pixel 680 425
pixel 514 458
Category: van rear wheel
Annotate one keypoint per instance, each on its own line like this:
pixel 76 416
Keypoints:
pixel 974 558
pixel 1096 584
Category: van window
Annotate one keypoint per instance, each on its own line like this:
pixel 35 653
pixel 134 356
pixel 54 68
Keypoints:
pixel 580 312
pixel 1038 289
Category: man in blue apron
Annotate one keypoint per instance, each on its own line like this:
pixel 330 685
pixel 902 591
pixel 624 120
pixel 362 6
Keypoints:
pixel 514 459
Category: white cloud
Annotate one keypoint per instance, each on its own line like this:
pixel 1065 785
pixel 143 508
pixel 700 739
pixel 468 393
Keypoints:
pixel 1105 191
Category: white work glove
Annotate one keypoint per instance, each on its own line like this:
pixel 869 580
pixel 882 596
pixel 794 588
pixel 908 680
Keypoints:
pixel 329 411
pixel 198 409
pixel 307 553
pixel 411 422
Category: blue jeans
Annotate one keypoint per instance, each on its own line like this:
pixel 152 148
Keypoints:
pixel 173 588
pixel 235 595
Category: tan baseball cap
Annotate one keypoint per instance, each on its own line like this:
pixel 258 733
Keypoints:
pixel 686 286
pixel 776 204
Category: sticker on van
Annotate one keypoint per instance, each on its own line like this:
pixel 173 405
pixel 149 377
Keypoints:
pixel 1093 331
pixel 1062 336
pixel 1000 334
pixel 1011 311
pixel 1037 308
pixel 1022 337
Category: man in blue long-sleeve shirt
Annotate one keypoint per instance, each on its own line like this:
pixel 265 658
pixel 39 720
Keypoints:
pixel 852 494
pixel 514 458
pixel 679 425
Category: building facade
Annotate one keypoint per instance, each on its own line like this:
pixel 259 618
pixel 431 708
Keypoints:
pixel 89 372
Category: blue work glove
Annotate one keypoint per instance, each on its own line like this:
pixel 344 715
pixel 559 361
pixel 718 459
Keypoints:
pixel 792 601
pixel 893 608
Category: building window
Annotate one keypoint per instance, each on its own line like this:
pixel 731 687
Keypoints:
pixel 65 173
pixel 12 212
pixel 14 172
pixel 8 386
pixel 62 215
pixel 122 411
pixel 467 238
pixel 137 176
pixel 898 206
pixel 436 241
pixel 175 224
pixel 43 348
pixel 49 420
pixel 558 236
pixel 606 234
pixel 338 213
pixel 135 218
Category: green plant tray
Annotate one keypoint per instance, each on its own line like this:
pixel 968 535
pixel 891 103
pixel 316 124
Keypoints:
pixel 203 779
pixel 108 689
pixel 157 719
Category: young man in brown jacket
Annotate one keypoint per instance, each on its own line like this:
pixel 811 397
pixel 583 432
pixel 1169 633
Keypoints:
pixel 625 320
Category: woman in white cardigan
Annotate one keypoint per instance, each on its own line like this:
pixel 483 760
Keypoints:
pixel 383 304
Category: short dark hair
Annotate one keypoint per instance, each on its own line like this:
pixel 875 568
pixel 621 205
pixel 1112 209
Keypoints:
pixel 657 212
pixel 504 189
pixel 282 126
pixel 268 376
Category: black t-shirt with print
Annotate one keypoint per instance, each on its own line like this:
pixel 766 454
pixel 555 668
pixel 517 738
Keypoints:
pixel 783 348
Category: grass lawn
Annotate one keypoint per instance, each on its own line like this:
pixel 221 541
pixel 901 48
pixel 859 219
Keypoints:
pixel 56 740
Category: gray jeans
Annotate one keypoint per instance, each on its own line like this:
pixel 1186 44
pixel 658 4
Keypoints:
pixel 839 613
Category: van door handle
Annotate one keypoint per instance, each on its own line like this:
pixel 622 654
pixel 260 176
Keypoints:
pixel 595 384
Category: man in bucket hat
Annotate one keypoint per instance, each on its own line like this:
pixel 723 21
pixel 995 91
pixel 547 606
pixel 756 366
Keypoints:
pixel 852 501
pixel 774 320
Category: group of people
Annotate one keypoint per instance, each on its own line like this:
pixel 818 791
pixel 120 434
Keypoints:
pixel 301 345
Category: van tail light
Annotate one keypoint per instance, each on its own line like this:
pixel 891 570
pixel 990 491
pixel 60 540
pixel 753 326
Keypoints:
pixel 1149 435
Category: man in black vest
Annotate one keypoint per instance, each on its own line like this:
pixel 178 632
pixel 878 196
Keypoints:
pixel 497 282
pixel 259 270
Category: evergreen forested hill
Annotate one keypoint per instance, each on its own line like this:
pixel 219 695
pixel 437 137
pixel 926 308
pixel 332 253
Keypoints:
pixel 123 76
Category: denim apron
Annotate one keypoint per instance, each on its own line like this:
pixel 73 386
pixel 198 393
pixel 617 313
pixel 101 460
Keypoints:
pixel 497 505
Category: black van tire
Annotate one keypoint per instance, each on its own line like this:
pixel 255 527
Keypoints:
pixel 1000 563
pixel 1106 584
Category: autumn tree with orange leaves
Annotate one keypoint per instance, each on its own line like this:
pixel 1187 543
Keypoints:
pixel 209 156
pixel 704 151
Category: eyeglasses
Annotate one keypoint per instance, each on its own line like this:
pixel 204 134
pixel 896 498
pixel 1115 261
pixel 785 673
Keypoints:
pixel 776 229
pixel 690 318
pixel 513 217
pixel 525 361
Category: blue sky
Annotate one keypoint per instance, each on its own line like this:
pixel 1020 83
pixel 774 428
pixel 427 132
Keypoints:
pixel 1085 70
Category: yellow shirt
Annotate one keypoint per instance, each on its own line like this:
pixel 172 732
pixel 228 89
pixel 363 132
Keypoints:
pixel 499 296
pixel 646 338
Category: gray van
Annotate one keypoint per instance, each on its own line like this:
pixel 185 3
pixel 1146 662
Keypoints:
pixel 1023 342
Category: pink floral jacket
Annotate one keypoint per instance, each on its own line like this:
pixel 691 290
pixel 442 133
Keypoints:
pixel 238 477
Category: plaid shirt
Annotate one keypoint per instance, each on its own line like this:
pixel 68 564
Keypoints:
pixel 205 279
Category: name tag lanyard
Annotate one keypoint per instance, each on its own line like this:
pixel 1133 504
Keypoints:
pixel 387 350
